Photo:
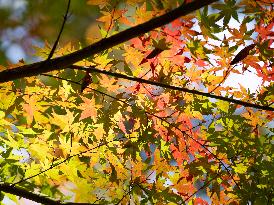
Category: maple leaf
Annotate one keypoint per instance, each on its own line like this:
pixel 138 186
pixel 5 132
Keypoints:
pixel 89 108
pixel 34 109
pixel 265 31
pixel 109 83
pixel 109 18
pixel 140 42
pixel 160 46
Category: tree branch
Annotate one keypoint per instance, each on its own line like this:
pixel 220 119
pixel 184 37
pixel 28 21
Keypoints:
pixel 21 192
pixel 106 43
pixel 196 92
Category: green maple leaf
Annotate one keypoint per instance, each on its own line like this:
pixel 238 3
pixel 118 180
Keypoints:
pixel 227 11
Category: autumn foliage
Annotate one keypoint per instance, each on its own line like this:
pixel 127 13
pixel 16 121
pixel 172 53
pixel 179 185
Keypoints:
pixel 80 136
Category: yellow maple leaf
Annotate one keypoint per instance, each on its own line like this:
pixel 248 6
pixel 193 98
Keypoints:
pixel 34 109
pixel 65 122
pixel 109 83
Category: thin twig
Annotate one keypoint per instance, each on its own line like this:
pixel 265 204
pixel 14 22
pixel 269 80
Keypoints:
pixel 224 78
pixel 203 146
pixel 61 162
pixel 111 19
pixel 201 188
pixel 171 87
pixel 135 184
pixel 60 32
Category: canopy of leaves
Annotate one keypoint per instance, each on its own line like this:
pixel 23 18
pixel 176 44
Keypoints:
pixel 78 135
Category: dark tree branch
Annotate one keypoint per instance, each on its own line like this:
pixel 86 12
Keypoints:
pixel 39 198
pixel 106 43
pixel 60 32
pixel 196 92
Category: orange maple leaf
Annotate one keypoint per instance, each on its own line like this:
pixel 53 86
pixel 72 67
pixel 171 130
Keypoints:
pixel 89 108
